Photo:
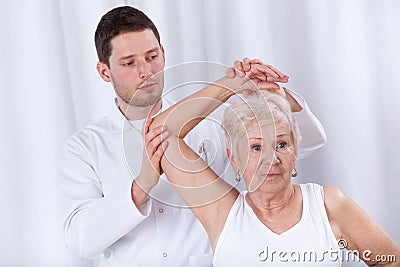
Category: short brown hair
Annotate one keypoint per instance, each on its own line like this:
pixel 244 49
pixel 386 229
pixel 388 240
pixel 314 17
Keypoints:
pixel 117 21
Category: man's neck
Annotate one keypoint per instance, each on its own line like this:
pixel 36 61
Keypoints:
pixel 134 113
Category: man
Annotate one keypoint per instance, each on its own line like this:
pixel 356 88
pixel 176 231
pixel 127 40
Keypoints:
pixel 109 216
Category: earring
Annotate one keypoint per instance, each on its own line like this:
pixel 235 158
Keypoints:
pixel 294 172
pixel 238 176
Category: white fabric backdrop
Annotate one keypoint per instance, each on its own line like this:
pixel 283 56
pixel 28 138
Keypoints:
pixel 342 56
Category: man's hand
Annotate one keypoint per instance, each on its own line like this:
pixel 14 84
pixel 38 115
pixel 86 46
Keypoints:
pixel 154 147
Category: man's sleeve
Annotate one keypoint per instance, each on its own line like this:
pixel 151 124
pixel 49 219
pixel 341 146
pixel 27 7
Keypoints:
pixel 93 221
pixel 312 132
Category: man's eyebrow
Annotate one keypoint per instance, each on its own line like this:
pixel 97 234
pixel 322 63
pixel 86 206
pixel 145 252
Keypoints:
pixel 155 49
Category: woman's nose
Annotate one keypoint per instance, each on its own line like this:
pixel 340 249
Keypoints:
pixel 275 159
pixel 270 158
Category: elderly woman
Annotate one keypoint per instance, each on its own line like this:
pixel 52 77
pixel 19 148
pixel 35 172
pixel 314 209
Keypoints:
pixel 274 221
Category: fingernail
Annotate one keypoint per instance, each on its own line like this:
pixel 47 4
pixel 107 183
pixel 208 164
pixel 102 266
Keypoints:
pixel 165 134
pixel 164 145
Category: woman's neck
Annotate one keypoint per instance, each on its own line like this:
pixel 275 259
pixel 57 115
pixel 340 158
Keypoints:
pixel 267 202
pixel 278 211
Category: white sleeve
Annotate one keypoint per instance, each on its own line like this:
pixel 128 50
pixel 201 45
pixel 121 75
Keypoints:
pixel 93 221
pixel 312 132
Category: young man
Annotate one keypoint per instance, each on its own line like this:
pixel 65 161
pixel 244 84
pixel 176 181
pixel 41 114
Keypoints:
pixel 109 217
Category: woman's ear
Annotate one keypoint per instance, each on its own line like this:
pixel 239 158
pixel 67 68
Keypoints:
pixel 103 71
pixel 232 160
pixel 295 146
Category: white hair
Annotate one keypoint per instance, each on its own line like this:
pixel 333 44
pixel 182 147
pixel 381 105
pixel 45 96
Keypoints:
pixel 260 108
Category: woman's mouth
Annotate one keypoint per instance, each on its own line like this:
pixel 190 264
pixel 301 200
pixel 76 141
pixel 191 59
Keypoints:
pixel 271 175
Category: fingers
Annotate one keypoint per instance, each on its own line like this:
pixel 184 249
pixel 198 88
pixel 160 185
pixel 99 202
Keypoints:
pixel 155 159
pixel 230 73
pixel 269 86
pixel 256 61
pixel 159 152
pixel 147 125
pixel 239 68
pixel 270 72
pixel 264 69
pixel 262 76
pixel 255 68
pixel 151 134
pixel 155 145
pixel 264 73
pixel 154 138
pixel 246 64
pixel 280 74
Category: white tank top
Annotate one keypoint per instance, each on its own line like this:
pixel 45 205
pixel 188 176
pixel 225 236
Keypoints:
pixel 246 241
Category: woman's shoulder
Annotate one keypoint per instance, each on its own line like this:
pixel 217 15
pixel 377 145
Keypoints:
pixel 334 197
pixel 330 193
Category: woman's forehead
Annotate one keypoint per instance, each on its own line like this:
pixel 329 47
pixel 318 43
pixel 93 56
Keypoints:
pixel 280 127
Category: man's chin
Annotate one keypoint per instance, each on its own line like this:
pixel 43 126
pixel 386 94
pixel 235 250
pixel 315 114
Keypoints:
pixel 144 102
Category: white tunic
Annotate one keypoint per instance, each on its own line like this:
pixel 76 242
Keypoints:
pixel 101 221
pixel 246 241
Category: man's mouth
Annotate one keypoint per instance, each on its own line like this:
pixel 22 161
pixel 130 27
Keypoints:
pixel 148 86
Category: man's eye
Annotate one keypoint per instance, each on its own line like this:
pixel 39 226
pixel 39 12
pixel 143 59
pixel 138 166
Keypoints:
pixel 256 148
pixel 153 57
pixel 128 64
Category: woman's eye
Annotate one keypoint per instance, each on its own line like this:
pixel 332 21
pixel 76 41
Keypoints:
pixel 281 145
pixel 256 148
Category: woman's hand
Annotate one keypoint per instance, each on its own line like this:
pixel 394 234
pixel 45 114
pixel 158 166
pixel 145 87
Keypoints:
pixel 258 75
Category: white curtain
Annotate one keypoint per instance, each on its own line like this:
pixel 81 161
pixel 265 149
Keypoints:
pixel 342 56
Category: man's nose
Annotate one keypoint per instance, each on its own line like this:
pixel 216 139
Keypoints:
pixel 144 70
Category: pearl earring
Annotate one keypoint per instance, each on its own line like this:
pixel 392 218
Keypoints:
pixel 238 176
